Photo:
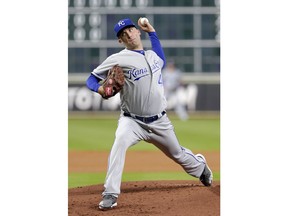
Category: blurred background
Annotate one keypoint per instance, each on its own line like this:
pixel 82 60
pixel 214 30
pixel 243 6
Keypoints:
pixel 189 31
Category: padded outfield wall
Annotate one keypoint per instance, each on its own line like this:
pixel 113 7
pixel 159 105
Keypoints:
pixel 195 96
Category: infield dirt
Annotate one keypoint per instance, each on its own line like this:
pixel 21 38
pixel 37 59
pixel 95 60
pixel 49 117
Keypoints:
pixel 147 198
pixel 171 198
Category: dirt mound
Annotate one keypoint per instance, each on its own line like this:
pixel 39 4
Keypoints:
pixel 171 198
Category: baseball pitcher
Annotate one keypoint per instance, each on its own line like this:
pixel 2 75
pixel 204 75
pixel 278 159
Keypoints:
pixel 143 104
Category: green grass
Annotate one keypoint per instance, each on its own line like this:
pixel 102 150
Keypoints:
pixel 87 133
pixel 84 179
pixel 98 134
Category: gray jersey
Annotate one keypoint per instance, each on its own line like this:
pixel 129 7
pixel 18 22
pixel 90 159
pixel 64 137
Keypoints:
pixel 143 81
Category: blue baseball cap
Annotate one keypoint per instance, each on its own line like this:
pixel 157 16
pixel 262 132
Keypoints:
pixel 122 24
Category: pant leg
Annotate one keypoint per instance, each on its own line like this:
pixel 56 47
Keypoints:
pixel 127 134
pixel 165 139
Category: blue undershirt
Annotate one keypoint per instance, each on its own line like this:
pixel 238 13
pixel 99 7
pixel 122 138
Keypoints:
pixel 93 82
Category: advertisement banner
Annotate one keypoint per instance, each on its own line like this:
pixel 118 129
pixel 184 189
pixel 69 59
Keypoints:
pixel 193 97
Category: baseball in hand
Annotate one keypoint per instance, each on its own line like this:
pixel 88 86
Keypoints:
pixel 143 21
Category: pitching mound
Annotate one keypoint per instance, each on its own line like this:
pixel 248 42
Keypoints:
pixel 170 198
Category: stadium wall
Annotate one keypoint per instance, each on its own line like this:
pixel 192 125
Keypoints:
pixel 196 97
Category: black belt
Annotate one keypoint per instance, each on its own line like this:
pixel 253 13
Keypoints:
pixel 146 119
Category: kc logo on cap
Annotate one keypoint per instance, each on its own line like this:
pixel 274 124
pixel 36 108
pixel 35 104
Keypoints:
pixel 122 24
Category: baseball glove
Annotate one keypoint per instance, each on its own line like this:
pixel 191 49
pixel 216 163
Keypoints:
pixel 114 82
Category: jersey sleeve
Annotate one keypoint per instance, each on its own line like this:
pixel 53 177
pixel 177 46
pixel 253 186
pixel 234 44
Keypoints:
pixel 100 73
pixel 156 46
pixel 102 70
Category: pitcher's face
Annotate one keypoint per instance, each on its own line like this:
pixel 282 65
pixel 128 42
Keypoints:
pixel 130 37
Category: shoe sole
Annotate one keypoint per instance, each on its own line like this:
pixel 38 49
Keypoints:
pixel 211 177
pixel 107 208
pixel 209 184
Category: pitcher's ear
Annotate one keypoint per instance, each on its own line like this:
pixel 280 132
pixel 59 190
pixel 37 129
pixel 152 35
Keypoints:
pixel 119 40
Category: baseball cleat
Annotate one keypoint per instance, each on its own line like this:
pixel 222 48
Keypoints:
pixel 207 176
pixel 109 201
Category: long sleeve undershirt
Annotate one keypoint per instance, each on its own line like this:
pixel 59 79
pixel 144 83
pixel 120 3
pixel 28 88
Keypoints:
pixel 156 46
pixel 93 83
